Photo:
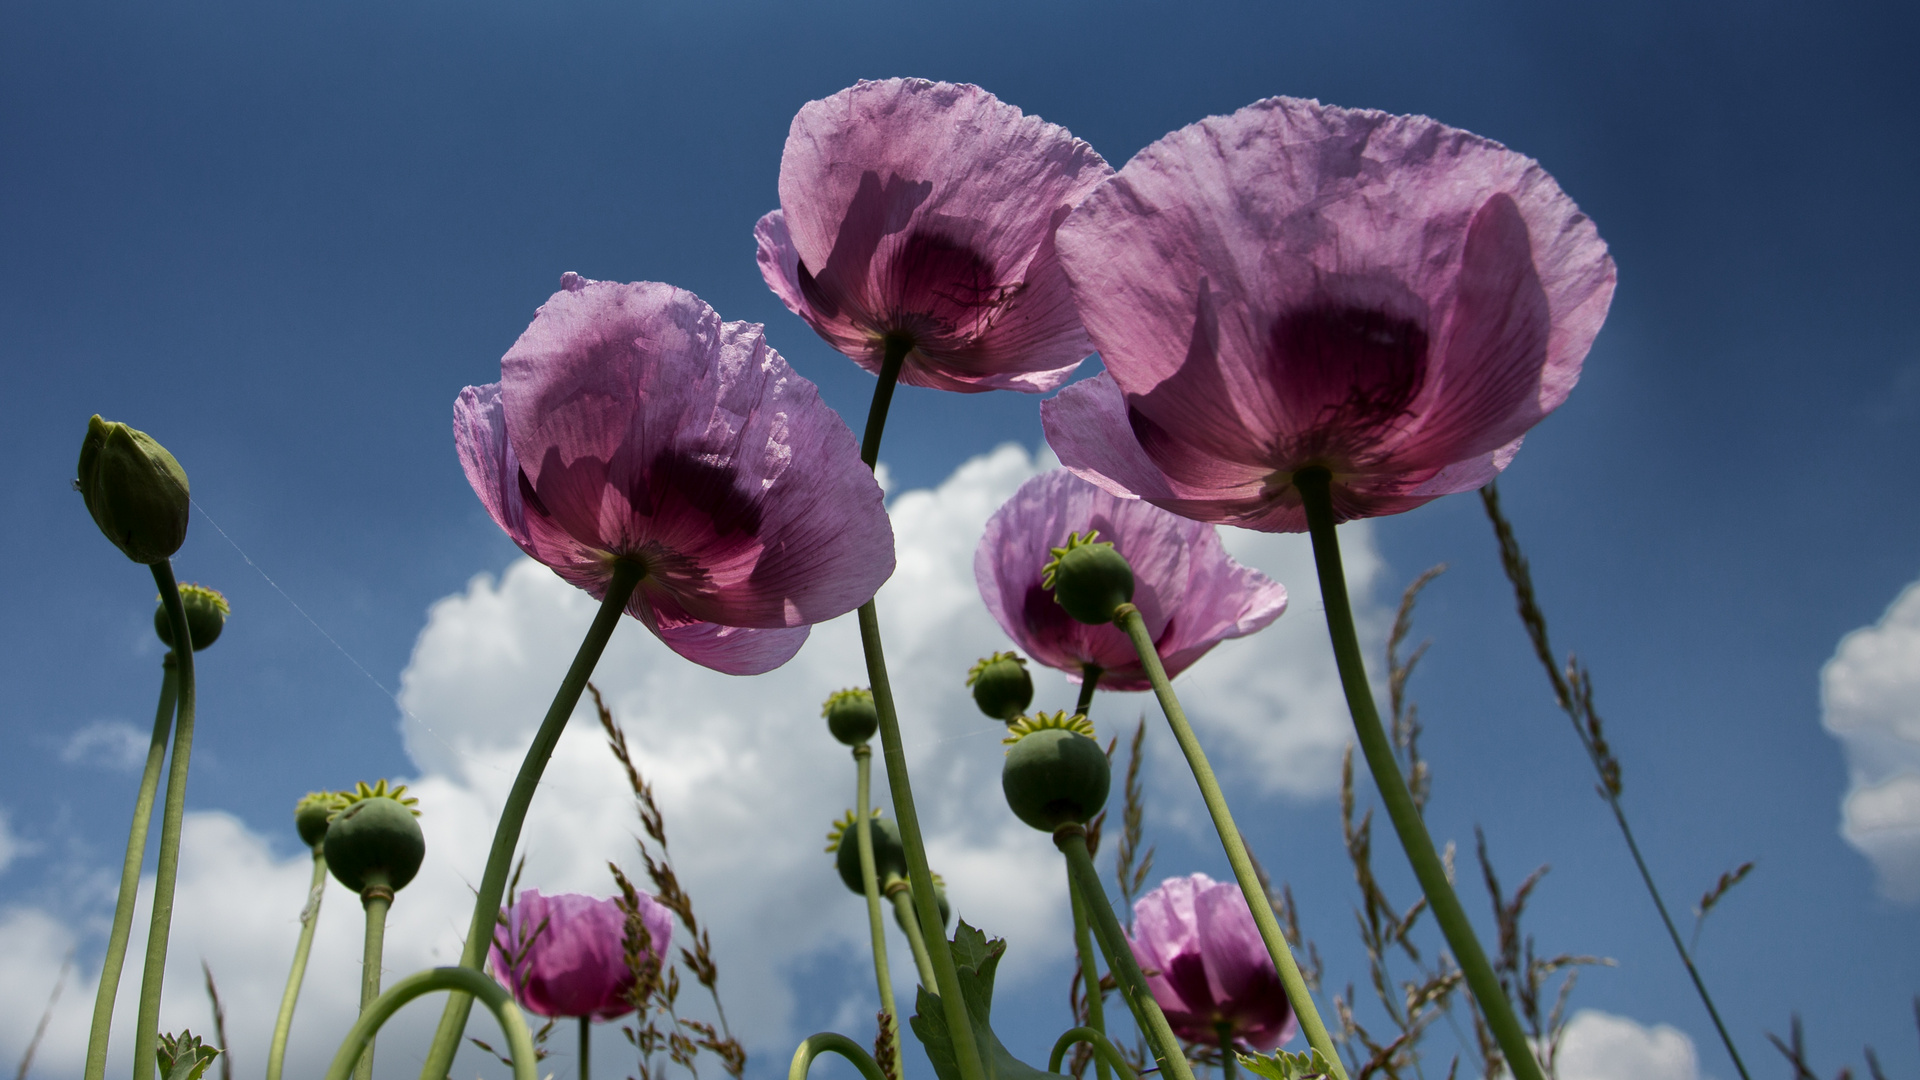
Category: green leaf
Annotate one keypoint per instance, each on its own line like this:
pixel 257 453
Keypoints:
pixel 185 1057
pixel 1280 1065
pixel 975 957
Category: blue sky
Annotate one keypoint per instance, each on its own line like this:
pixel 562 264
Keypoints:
pixel 282 237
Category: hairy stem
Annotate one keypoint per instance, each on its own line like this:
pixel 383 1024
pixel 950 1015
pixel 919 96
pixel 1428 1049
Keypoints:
pixel 309 919
pixel 506 835
pixel 146 1028
pixel 1315 487
pixel 1244 872
pixel 376 899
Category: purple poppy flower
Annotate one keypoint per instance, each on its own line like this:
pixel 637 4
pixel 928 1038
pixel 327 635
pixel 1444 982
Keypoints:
pixel 1208 967
pixel 1191 594
pixel 629 422
pixel 1298 285
pixel 927 210
pixel 576 965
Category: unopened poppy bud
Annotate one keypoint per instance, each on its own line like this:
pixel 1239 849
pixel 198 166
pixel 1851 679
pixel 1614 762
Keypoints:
pixel 1089 578
pixel 889 856
pixel 851 716
pixel 1001 686
pixel 375 840
pixel 207 613
pixel 1055 775
pixel 135 490
pixel 311 813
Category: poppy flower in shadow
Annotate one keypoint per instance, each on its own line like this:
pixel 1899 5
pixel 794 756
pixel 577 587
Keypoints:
pixel 925 212
pixel 630 423
pixel 565 955
pixel 1207 966
pixel 1298 286
pixel 1190 592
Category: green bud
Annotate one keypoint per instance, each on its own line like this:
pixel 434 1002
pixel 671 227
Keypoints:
pixel 311 813
pixel 1054 776
pixel 889 855
pixel 207 613
pixel 374 841
pixel 134 489
pixel 851 716
pixel 1001 686
pixel 1089 578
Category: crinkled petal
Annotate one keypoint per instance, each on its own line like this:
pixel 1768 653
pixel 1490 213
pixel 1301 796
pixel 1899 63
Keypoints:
pixel 1239 969
pixel 572 954
pixel 928 209
pixel 480 437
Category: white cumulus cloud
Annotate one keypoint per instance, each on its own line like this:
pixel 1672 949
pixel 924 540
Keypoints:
pixel 746 776
pixel 1601 1046
pixel 106 744
pixel 1870 699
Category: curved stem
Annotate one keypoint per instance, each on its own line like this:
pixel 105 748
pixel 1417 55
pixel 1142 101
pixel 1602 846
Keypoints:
pixel 903 913
pixel 506 835
pixel 146 1028
pixel 309 919
pixel 829 1042
pixel 1072 840
pixel 116 958
pixel 1089 678
pixel 1089 971
pixel 376 899
pixel 870 884
pixel 464 981
pixel 1295 984
pixel 586 1045
pixel 1104 1053
pixel 966 1051
pixel 1315 487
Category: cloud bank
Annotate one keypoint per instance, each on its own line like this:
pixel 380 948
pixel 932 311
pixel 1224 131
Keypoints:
pixel 1870 700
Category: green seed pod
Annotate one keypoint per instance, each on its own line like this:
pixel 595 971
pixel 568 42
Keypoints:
pixel 1089 578
pixel 1001 686
pixel 207 613
pixel 135 490
pixel 889 855
pixel 311 813
pixel 374 841
pixel 1054 776
pixel 851 716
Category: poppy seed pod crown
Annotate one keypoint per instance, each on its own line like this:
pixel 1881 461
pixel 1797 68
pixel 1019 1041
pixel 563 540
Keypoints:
pixel 851 715
pixel 1089 578
pixel 135 490
pixel 207 612
pixel 889 857
pixel 374 841
pixel 1055 776
pixel 1001 686
pixel 311 813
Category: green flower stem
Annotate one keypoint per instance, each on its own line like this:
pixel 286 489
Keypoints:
pixel 828 1042
pixel 870 884
pixel 130 876
pixel 1229 1067
pixel 1295 984
pixel 966 1051
pixel 460 980
pixel 309 919
pixel 902 898
pixel 506 835
pixel 1089 970
pixel 1315 487
pixel 586 1045
pixel 376 899
pixel 146 1028
pixel 1104 1053
pixel 1089 678
pixel 1072 840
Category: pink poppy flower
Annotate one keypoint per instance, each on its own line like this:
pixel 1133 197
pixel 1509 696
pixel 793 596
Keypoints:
pixel 1298 285
pixel 926 211
pixel 630 423
pixel 1207 966
pixel 1191 594
pixel 576 965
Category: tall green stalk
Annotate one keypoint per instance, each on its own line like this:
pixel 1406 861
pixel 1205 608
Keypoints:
pixel 586 1046
pixel 506 835
pixel 1089 970
pixel 1089 678
pixel 1315 487
pixel 309 919
pixel 966 1051
pixel 903 911
pixel 1129 620
pixel 1072 841
pixel 146 1029
pixel 376 899
pixel 116 959
pixel 870 884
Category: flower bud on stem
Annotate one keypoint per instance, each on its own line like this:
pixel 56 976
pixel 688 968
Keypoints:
pixel 1315 486
pixel 1071 839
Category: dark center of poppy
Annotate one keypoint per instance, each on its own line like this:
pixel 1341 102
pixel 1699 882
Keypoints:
pixel 1347 374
